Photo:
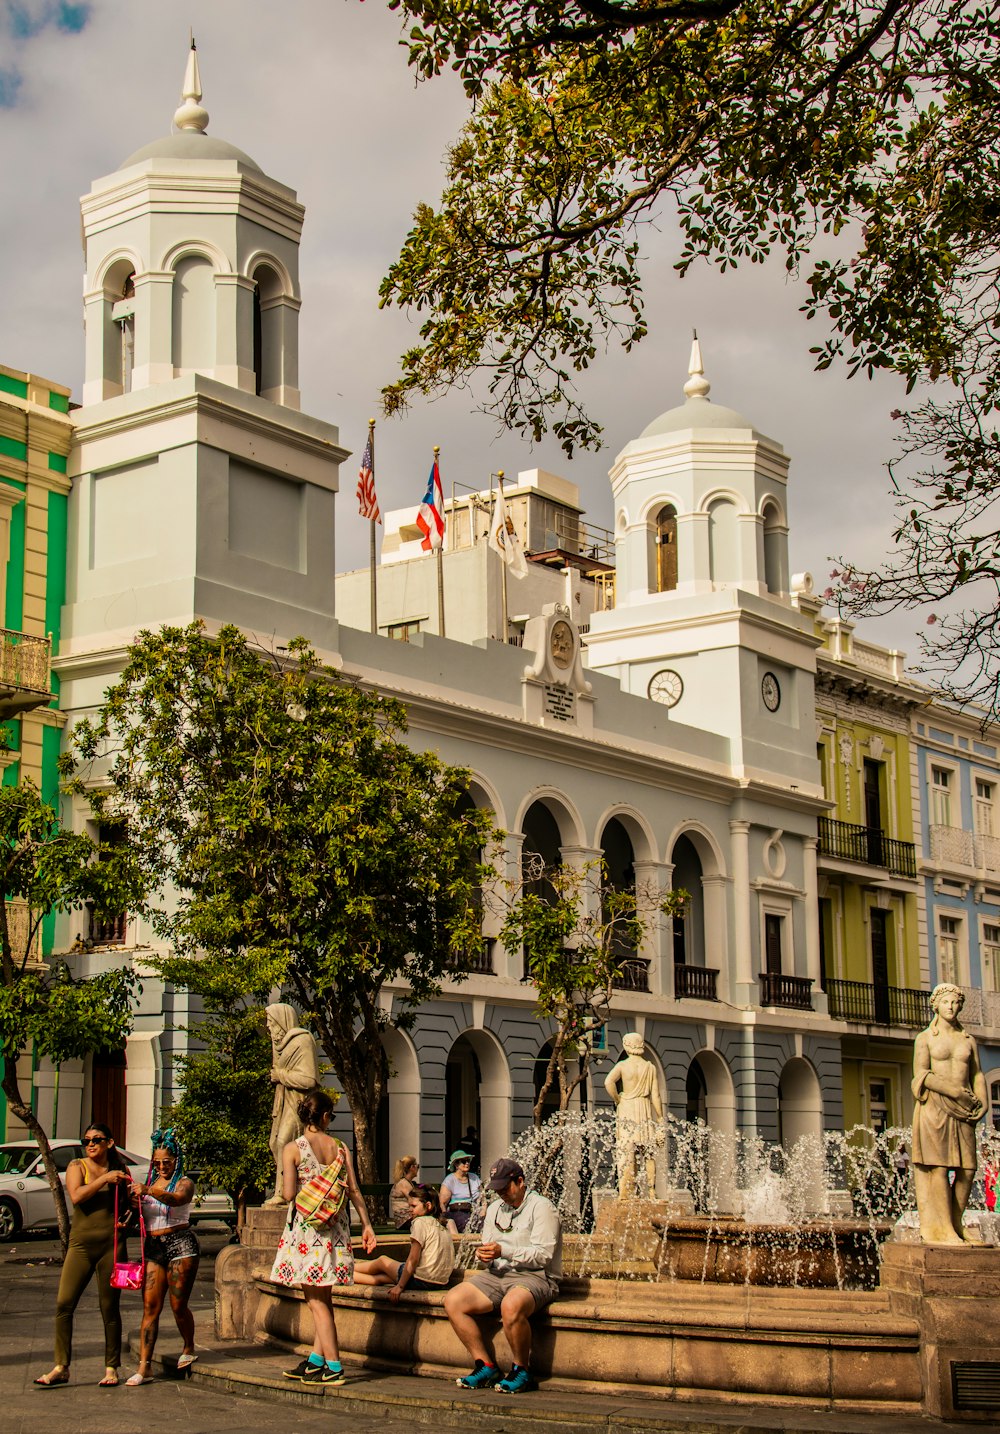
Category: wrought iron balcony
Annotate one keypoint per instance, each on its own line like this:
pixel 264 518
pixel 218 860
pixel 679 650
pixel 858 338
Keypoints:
pixel 777 989
pixel 632 975
pixel 24 672
pixel 871 1005
pixel 474 963
pixel 868 845
pixel 695 983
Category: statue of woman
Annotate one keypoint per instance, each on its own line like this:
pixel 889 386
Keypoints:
pixel 294 1073
pixel 639 1115
pixel 950 1092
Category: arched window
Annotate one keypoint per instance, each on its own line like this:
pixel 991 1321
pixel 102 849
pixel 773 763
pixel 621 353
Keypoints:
pixel 775 551
pixel 266 330
pixel 126 321
pixel 666 549
pixel 723 542
pixel 194 316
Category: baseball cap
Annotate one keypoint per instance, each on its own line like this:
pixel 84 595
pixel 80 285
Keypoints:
pixel 503 1172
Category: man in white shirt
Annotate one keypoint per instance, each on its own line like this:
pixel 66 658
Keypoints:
pixel 521 1260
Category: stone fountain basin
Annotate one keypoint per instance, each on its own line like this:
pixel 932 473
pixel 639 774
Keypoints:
pixel 726 1250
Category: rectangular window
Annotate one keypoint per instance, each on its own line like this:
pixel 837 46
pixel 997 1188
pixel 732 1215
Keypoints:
pixel 402 631
pixel 941 796
pixel 991 957
pixel 948 936
pixel 772 943
pixel 984 807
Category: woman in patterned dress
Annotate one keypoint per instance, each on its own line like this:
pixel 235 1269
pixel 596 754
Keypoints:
pixel 313 1258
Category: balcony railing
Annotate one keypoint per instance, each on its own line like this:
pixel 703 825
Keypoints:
pixel 632 975
pixel 867 845
pixel 973 851
pixel 777 989
pixel 695 983
pixel 108 930
pixel 871 1005
pixel 24 671
pixel 474 963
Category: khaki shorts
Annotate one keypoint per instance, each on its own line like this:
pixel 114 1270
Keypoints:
pixel 542 1288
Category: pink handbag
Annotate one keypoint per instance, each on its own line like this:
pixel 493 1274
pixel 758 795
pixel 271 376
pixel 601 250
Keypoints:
pixel 129 1274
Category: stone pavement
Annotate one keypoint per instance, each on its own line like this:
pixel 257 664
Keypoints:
pixel 239 1388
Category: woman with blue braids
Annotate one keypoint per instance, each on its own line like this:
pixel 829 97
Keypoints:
pixel 171 1251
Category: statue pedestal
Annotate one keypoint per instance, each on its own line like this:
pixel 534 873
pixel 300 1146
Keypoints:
pixel 951 1291
pixel 627 1222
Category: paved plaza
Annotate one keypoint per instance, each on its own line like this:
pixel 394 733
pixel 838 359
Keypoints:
pixel 238 1387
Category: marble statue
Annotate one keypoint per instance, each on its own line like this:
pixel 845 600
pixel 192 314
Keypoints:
pixel 950 1092
pixel 638 1115
pixel 294 1072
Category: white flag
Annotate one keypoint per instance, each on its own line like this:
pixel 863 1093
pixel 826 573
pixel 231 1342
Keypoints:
pixel 504 539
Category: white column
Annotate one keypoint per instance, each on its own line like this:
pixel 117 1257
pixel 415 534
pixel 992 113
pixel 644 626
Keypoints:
pixel 740 833
pixel 811 885
pixel 653 879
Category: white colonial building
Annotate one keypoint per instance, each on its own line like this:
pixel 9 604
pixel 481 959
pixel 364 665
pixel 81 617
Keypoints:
pixel 651 699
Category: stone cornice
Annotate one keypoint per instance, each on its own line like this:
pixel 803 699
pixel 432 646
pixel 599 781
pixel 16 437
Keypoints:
pixel 183 191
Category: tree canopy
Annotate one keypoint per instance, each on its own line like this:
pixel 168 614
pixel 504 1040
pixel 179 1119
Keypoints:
pixel 307 845
pixel 46 1007
pixel 857 139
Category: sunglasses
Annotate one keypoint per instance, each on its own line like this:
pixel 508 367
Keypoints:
pixel 158 1163
pixel 94 1140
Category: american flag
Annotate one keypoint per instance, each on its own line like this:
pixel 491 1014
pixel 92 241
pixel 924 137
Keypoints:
pixel 430 519
pixel 367 501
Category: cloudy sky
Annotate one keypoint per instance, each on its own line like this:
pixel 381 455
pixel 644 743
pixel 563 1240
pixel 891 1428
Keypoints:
pixel 319 93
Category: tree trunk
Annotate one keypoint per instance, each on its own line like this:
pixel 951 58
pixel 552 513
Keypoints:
pixel 12 1090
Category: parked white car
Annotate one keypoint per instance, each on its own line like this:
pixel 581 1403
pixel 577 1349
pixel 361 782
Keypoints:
pixel 25 1198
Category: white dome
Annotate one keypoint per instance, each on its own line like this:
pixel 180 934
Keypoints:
pixel 191 144
pixel 696 413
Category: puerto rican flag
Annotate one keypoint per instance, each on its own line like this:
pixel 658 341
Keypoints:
pixel 430 519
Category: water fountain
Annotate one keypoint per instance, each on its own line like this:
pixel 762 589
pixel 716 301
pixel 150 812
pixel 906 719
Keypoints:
pixel 747 1276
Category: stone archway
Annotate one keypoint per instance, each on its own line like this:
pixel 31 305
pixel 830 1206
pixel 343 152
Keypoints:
pixel 399 1124
pixel 800 1103
pixel 478 1093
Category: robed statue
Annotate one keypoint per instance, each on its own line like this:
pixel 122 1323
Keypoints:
pixel 295 1070
pixel 633 1086
pixel 950 1092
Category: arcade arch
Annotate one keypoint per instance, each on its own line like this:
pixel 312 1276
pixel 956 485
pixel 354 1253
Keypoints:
pixel 478 1093
pixel 800 1102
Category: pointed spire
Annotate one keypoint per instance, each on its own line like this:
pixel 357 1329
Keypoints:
pixel 190 115
pixel 697 385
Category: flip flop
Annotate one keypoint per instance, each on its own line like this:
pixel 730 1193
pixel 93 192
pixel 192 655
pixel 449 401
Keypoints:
pixel 186 1360
pixel 43 1382
pixel 107 1383
pixel 136 1379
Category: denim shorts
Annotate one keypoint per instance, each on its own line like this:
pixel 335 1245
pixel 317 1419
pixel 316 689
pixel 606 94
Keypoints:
pixel 164 1250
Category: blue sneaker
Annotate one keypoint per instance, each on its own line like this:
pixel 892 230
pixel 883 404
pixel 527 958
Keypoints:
pixel 518 1381
pixel 484 1376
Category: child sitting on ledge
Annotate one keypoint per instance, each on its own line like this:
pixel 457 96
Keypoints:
pixel 431 1260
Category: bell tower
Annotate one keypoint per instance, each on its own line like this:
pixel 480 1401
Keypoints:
pixel 192 266
pixel 199 488
pixel 702 619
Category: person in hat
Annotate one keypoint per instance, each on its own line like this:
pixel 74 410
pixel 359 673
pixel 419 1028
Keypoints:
pixel 520 1261
pixel 460 1189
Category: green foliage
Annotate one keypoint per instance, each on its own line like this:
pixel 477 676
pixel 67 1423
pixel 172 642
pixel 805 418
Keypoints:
pixel 50 1009
pixel 223 1117
pixel 579 933
pixel 859 141
pixel 306 843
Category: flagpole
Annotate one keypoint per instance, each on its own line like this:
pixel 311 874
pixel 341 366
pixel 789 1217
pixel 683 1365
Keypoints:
pixel 371 538
pixel 440 568
pixel 503 581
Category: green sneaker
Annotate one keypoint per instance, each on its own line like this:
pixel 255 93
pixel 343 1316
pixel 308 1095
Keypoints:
pixel 484 1376
pixel 518 1381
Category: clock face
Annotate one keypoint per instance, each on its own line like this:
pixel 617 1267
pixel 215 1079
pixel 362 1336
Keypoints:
pixel 666 687
pixel 770 692
pixel 561 644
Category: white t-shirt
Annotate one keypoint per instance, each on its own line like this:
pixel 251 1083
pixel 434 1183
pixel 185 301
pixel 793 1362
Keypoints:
pixel 437 1252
